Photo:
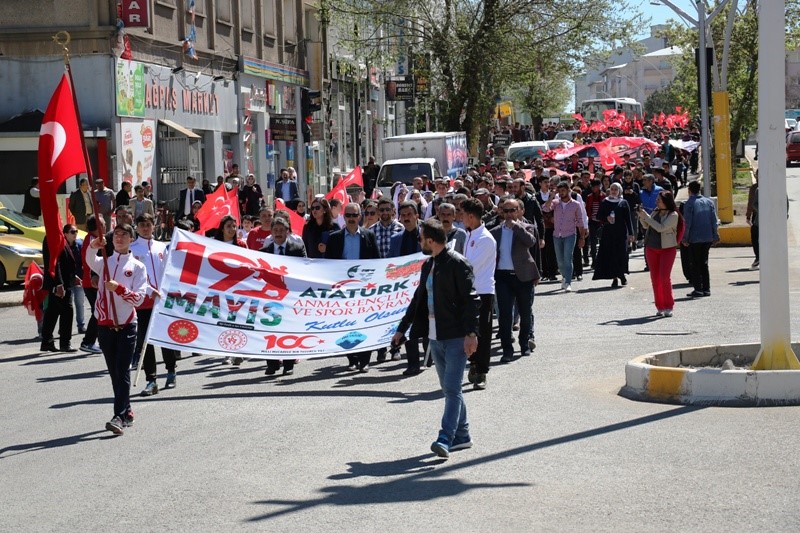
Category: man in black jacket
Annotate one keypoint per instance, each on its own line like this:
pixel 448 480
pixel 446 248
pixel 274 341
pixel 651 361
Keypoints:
pixel 354 243
pixel 68 273
pixel 445 310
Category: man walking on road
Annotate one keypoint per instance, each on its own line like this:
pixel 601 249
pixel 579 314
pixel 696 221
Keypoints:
pixel 480 250
pixel 445 309
pixel 567 220
pixel 700 234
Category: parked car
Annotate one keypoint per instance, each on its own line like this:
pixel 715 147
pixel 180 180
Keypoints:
pixel 16 255
pixel 528 150
pixel 792 147
pixel 790 124
pixel 15 223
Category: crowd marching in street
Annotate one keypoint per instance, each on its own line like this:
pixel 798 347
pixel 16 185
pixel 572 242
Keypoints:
pixel 493 234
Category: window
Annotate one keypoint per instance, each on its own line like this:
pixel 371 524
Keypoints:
pixel 289 21
pixel 199 7
pixel 224 11
pixel 248 16
pixel 268 13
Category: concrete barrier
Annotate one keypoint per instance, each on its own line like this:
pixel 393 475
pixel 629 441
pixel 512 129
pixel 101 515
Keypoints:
pixel 691 376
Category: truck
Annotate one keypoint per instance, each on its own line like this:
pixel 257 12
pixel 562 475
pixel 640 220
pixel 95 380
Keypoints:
pixel 434 154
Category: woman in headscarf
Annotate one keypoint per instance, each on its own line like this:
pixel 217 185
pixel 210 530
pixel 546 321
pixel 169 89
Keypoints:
pixel 612 257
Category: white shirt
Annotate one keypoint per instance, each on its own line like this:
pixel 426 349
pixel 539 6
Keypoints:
pixel 153 255
pixel 187 207
pixel 480 250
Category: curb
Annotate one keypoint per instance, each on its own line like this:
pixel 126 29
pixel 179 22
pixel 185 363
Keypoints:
pixel 10 304
pixel 658 377
pixel 734 235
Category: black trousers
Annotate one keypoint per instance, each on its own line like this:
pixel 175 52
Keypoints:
pixel 90 337
pixel 58 310
pixel 510 291
pixel 754 238
pixel 413 355
pixel 117 345
pixel 595 232
pixel 149 364
pixel 360 359
pixel 481 356
pixel 275 364
pixel 699 254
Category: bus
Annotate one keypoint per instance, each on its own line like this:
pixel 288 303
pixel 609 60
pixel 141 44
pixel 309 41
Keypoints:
pixel 592 110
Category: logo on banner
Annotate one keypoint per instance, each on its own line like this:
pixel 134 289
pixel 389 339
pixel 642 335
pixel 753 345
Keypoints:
pixel 389 333
pixel 232 340
pixel 351 340
pixel 363 274
pixel 292 342
pixel 183 331
pixel 405 270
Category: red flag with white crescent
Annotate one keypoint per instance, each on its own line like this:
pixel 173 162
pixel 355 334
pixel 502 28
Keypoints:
pixel 219 203
pixel 60 157
pixel 296 221
pixel 353 178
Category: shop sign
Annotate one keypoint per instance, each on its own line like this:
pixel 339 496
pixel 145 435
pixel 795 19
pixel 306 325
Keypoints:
pixel 138 149
pixel 283 127
pixel 134 13
pixel 130 88
pixel 400 90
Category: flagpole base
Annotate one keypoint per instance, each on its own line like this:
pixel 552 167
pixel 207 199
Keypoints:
pixel 776 356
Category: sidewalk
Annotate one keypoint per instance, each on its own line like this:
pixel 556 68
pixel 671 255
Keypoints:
pixel 11 295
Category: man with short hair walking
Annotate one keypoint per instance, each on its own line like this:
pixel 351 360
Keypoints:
pixel 700 234
pixel 445 309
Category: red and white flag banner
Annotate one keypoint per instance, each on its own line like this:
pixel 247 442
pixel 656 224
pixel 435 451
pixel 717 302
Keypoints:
pixel 221 299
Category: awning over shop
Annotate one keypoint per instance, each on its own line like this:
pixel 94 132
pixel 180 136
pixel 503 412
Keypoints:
pixel 177 127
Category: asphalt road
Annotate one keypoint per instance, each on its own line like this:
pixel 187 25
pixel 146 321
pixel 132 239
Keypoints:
pixel 326 450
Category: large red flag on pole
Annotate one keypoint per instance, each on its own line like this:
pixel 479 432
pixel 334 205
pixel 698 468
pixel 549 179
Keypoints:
pixel 340 191
pixel 295 220
pixel 219 203
pixel 60 157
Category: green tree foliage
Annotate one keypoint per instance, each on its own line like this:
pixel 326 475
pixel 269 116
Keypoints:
pixel 481 48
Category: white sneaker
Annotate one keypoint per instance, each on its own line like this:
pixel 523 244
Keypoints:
pixel 667 312
pixel 563 284
pixel 755 265
pixel 568 288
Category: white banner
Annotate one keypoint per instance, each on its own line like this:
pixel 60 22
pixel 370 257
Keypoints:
pixel 222 299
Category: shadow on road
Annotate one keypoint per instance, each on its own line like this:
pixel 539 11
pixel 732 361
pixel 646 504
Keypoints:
pixel 419 483
pixel 636 321
pixel 17 449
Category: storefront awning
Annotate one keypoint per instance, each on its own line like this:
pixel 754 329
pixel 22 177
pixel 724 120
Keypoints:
pixel 177 127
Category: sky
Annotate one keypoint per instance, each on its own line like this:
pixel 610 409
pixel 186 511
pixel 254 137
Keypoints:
pixel 660 14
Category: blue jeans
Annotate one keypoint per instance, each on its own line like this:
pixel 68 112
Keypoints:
pixel 79 303
pixel 450 360
pixel 564 247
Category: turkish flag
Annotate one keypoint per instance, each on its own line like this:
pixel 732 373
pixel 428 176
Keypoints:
pixel 219 203
pixel 340 191
pixel 33 296
pixel 60 157
pixel 297 221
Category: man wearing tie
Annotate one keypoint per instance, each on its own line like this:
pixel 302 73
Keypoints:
pixel 354 243
pixel 281 245
pixel 188 196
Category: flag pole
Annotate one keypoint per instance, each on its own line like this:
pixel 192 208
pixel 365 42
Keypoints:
pixel 62 39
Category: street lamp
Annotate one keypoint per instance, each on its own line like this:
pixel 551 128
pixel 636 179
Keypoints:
pixel 701 23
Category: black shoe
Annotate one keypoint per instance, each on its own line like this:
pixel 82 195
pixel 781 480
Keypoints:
pixel 381 357
pixel 81 331
pixel 67 348
pixel 269 371
pixel 288 371
pixel 695 294
pixel 706 293
pixel 614 284
pixel 506 358
pixel 48 347
pixel 412 372
pixel 623 280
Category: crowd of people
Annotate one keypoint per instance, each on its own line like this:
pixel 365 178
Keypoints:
pixel 505 230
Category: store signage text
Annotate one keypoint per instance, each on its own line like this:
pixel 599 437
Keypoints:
pixel 159 96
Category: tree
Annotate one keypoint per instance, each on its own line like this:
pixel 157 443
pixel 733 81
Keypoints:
pixel 480 48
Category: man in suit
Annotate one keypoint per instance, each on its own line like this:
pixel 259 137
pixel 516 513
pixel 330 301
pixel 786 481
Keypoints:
pixel 80 204
pixel 354 243
pixel 281 245
pixel 515 276
pixel 406 243
pixel 188 196
pixel 286 188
